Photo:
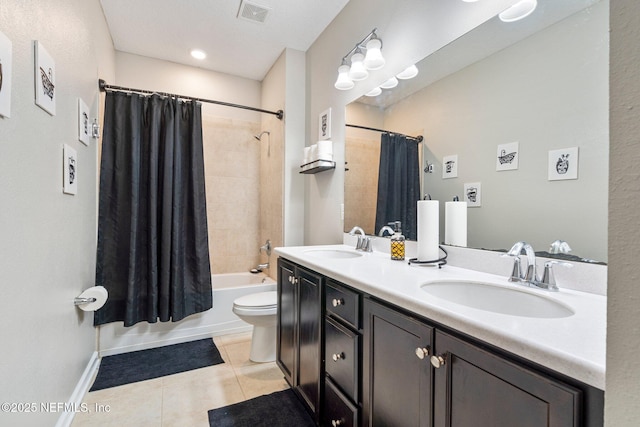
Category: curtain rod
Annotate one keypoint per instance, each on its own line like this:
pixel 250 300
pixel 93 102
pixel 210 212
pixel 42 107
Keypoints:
pixel 104 87
pixel 418 138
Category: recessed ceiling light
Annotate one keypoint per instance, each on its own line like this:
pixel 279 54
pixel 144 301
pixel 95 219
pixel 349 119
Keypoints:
pixel 198 54
pixel 374 92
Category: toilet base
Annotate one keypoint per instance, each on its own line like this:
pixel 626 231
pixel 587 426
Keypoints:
pixel 263 344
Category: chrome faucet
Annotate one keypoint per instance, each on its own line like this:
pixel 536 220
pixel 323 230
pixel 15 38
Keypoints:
pixel 530 278
pixel 386 228
pixel 364 242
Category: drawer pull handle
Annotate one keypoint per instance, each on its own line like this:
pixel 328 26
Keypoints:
pixel 422 352
pixel 438 361
pixel 337 356
pixel 337 423
pixel 337 301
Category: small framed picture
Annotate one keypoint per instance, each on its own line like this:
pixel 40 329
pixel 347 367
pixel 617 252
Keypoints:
pixel 70 170
pixel 6 58
pixel 507 157
pixel 45 79
pixel 84 127
pixel 324 125
pixel 563 164
pixel 450 166
pixel 473 194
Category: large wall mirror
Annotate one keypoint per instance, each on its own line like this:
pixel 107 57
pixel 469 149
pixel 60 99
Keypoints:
pixel 541 83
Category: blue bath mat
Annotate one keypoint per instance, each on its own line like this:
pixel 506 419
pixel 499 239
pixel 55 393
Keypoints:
pixel 143 365
pixel 279 409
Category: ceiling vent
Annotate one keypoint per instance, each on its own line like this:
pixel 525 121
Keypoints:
pixel 253 12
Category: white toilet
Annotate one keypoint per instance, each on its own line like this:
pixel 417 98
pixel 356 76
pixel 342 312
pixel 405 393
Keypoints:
pixel 260 310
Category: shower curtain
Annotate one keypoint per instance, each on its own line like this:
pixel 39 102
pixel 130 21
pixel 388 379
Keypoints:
pixel 153 251
pixel 398 183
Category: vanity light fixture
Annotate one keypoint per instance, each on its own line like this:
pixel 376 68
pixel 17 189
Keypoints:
pixel 198 54
pixel 360 63
pixel 518 11
pixel 409 73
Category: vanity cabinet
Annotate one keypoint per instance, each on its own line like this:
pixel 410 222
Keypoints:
pixel 343 355
pixel 359 361
pixel 299 332
pixel 475 387
pixel 397 375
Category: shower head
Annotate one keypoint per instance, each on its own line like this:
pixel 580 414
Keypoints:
pixel 259 136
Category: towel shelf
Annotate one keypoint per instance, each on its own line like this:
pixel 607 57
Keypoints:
pixel 317 166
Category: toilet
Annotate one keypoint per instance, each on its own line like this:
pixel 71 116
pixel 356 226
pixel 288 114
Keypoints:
pixel 260 310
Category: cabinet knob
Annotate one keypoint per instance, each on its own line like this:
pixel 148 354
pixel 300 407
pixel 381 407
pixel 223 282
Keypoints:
pixel 337 356
pixel 337 301
pixel 438 360
pixel 293 280
pixel 337 423
pixel 422 352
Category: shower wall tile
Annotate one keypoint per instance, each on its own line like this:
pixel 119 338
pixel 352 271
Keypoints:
pixel 361 183
pixel 232 180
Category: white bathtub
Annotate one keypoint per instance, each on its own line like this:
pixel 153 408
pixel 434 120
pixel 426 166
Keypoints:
pixel 114 338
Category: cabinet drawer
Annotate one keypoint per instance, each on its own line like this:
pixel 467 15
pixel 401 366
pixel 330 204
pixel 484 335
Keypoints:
pixel 338 410
pixel 342 303
pixel 342 347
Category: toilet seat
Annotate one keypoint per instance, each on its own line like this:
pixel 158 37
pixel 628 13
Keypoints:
pixel 258 301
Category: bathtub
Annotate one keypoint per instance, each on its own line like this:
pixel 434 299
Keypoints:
pixel 114 338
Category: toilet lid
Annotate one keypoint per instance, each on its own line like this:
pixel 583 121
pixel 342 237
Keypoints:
pixel 260 299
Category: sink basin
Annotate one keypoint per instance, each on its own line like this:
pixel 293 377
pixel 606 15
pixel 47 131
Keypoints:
pixel 333 253
pixel 498 299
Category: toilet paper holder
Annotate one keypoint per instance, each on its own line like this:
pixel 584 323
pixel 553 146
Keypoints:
pixel 81 301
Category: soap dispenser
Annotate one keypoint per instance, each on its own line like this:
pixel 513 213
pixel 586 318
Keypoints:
pixel 397 242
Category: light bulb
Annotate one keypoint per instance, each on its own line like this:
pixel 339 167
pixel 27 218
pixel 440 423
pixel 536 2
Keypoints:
pixel 374 59
pixel 389 84
pixel 409 73
pixel 344 82
pixel 358 71
pixel 374 92
pixel 518 11
pixel 198 54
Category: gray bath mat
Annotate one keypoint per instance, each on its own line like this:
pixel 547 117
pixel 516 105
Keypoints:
pixel 143 365
pixel 279 409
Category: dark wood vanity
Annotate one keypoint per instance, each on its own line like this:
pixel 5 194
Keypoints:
pixel 355 360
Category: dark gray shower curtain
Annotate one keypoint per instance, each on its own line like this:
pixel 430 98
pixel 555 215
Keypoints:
pixel 398 183
pixel 153 251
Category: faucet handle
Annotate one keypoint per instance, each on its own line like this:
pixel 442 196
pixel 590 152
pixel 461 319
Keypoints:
pixel 548 280
pixel 516 272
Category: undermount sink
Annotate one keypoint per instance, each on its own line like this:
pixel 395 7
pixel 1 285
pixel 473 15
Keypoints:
pixel 498 299
pixel 333 253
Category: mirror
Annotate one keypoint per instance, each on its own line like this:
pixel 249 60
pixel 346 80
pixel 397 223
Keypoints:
pixel 541 83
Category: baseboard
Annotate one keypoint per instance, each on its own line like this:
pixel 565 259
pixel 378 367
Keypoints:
pixel 80 391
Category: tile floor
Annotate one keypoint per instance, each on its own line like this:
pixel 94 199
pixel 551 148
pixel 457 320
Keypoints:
pixel 184 399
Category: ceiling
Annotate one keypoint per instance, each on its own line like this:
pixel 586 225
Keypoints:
pixel 170 29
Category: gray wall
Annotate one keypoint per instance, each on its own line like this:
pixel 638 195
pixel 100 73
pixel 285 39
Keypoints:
pixel 47 238
pixel 549 91
pixel 623 305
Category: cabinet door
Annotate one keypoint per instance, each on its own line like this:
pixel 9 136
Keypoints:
pixel 476 388
pixel 286 354
pixel 397 381
pixel 309 338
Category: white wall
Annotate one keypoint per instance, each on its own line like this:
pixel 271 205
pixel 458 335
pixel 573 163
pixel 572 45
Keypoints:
pixel 623 307
pixel 47 238
pixel 410 30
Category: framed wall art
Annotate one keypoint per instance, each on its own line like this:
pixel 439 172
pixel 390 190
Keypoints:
pixel 324 125
pixel 507 157
pixel 70 170
pixel 6 58
pixel 84 127
pixel 473 194
pixel 563 164
pixel 45 79
pixel 450 166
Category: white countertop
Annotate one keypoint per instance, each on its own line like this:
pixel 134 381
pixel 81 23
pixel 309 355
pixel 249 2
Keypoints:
pixel 574 345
